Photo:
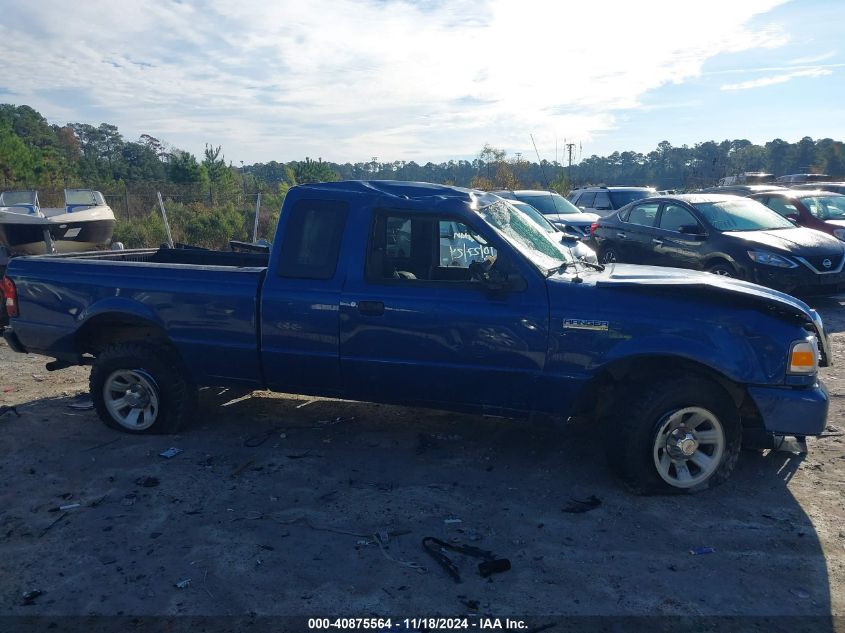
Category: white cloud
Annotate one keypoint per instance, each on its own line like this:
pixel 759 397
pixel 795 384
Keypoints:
pixel 351 79
pixel 777 79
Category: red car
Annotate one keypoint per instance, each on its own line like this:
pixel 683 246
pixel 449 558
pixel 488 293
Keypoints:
pixel 815 209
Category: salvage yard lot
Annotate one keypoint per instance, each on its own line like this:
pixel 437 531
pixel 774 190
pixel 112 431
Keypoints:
pixel 272 507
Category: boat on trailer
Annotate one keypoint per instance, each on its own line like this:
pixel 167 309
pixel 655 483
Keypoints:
pixel 85 223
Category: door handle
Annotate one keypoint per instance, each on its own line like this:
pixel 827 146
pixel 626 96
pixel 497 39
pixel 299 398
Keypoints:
pixel 621 236
pixel 371 308
pixel 657 241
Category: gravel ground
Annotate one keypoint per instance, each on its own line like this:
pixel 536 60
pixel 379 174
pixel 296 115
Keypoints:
pixel 274 505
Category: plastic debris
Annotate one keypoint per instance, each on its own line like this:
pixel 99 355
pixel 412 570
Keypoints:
pixel 30 596
pixel 578 506
pixel 170 452
pixel 147 482
pixel 70 506
pixel 699 551
pixel 798 592
pixel 452 521
pixel 436 548
pixel 183 583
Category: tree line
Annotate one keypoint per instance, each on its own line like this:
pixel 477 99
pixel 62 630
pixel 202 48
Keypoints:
pixel 51 157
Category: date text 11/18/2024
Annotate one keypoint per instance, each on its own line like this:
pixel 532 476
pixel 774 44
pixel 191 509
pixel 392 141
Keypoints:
pixel 413 624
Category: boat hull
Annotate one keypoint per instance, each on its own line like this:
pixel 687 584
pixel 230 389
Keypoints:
pixel 24 235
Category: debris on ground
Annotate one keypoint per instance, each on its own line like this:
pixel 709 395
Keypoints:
pixel 170 452
pixel 6 409
pixel 306 403
pixel 496 566
pixel 54 523
pixel 435 548
pixel 101 445
pixel 147 482
pixel 183 583
pixel 242 468
pixel 129 500
pixel 337 420
pixel 30 596
pixel 798 592
pixel 82 402
pixel 69 506
pixel 578 506
pixel 698 551
pixel 452 521
pixel 302 455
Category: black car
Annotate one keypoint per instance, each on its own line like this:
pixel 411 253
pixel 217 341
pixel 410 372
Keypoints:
pixel 725 235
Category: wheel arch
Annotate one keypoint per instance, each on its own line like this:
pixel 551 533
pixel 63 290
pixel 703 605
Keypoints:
pixel 108 328
pixel 614 380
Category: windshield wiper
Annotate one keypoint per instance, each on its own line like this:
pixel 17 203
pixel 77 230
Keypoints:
pixel 565 265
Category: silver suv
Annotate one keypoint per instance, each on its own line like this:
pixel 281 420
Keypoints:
pixel 605 200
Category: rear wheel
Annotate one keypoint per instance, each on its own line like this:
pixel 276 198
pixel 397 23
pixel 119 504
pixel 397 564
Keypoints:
pixel 609 256
pixel 140 388
pixel 678 435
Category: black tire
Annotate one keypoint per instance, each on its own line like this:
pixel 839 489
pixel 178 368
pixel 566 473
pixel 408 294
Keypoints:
pixel 609 256
pixel 722 268
pixel 163 378
pixel 631 437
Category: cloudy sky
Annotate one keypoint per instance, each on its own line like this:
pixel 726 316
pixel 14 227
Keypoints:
pixel 347 80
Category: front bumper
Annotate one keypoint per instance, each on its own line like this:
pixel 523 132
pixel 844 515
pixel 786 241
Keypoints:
pixel 789 411
pixel 800 279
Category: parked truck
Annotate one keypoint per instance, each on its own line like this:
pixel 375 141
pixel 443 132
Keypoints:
pixel 678 369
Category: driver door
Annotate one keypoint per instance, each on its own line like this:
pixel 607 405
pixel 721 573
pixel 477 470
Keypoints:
pixel 415 328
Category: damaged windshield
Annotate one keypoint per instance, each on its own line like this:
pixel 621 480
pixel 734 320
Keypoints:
pixel 526 236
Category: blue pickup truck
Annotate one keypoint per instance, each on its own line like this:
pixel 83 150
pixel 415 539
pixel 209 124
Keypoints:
pixel 441 297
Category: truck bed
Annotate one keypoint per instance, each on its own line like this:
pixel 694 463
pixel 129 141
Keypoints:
pixel 206 301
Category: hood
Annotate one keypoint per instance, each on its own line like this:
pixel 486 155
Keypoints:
pixel 798 241
pixel 692 283
pixel 572 218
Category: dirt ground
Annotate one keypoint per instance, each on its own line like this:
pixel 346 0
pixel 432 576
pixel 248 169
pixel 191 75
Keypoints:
pixel 273 507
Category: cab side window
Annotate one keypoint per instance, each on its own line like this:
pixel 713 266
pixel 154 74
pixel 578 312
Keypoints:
pixel 407 248
pixel 643 214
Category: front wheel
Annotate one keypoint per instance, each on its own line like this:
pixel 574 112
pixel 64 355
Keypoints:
pixel 723 269
pixel 140 388
pixel 676 435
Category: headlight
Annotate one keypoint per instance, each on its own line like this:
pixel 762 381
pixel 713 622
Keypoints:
pixel 804 356
pixel 839 233
pixel 771 259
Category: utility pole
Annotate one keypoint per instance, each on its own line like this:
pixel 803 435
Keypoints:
pixel 569 148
